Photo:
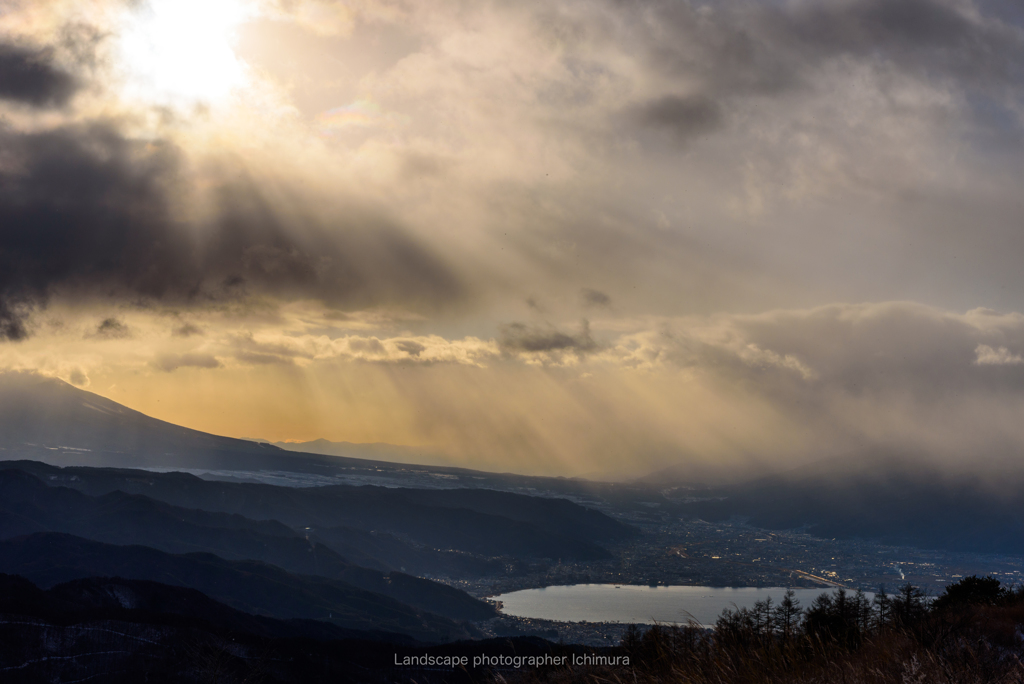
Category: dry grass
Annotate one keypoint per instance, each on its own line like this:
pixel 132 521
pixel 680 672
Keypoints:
pixel 975 645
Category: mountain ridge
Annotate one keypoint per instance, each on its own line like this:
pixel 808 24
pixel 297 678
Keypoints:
pixel 49 558
pixel 27 505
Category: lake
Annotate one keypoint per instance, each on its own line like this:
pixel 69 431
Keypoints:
pixel 641 604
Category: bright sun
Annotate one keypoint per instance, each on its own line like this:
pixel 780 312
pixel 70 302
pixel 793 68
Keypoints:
pixel 180 51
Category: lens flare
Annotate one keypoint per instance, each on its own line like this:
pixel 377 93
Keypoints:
pixel 180 52
pixel 359 114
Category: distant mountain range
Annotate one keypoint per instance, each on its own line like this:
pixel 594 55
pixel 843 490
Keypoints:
pixel 45 419
pixel 467 521
pixel 48 419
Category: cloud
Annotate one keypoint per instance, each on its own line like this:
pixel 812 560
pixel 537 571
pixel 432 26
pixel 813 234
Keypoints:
pixel 364 347
pixel 699 162
pixel 112 329
pixel 595 298
pixel 421 350
pixel 730 393
pixel 187 330
pixel 12 318
pixel 410 347
pixel 771 47
pixel 248 349
pixel 337 316
pixel 546 344
pixel 306 350
pixel 892 377
pixel 856 348
pixel 257 359
pixel 919 34
pixel 683 116
pixel 87 213
pixel 822 100
pixel 84 207
pixel 987 356
pixel 171 362
pixel 30 77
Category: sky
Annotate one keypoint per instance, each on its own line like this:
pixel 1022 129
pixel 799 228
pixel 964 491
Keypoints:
pixel 586 238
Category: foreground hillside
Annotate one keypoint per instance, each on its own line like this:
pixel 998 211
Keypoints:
pixel 122 631
pixel 129 631
pixel 251 586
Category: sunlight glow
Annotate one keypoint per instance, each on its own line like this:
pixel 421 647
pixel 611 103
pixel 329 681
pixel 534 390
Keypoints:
pixel 179 52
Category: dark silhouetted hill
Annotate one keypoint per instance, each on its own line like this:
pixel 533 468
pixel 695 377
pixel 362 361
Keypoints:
pixel 121 631
pixel 27 505
pixel 385 551
pixel 553 514
pixel 250 586
pixel 144 601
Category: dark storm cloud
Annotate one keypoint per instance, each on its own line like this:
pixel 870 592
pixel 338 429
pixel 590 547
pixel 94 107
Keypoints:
pixel 371 345
pixel 112 329
pixel 248 349
pixel 921 33
pixel 594 297
pixel 12 318
pixel 684 117
pixel 171 362
pixel 257 359
pixel 519 337
pixel 337 316
pixel 29 76
pixel 187 330
pixel 767 48
pixel 410 347
pixel 87 210
pixel 345 256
